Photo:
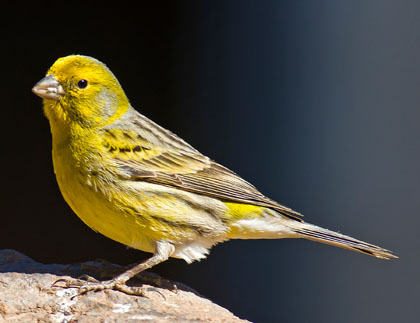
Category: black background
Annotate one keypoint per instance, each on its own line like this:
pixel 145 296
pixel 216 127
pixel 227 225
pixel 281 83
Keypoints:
pixel 314 102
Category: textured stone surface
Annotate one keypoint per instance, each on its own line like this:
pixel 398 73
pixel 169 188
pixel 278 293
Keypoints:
pixel 26 295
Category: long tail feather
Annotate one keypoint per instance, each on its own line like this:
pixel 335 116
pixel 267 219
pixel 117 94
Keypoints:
pixel 313 232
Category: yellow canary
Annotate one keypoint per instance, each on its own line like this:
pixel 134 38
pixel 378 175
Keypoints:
pixel 139 184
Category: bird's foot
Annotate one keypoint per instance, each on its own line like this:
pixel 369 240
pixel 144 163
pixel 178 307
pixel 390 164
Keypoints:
pixel 105 270
pixel 111 284
pixel 90 284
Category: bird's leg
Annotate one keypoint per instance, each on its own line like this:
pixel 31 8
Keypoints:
pixel 162 252
pixel 107 270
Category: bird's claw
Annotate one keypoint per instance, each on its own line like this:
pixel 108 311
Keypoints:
pixel 111 284
pixel 90 284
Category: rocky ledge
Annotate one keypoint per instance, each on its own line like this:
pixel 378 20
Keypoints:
pixel 27 294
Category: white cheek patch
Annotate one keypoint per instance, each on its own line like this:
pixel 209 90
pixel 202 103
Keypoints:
pixel 108 103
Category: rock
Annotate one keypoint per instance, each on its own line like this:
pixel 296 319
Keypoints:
pixel 27 295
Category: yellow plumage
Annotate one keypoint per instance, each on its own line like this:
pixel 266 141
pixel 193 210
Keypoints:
pixel 141 185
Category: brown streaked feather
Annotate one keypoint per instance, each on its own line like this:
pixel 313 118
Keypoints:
pixel 166 159
pixel 202 177
pixel 212 180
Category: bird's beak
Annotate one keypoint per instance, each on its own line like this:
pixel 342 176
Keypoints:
pixel 49 88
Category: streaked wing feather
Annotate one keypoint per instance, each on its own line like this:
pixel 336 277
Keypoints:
pixel 159 156
pixel 198 174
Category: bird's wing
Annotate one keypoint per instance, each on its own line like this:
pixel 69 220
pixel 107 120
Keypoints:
pixel 172 164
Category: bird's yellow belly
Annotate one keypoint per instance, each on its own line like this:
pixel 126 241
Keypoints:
pixel 99 211
pixel 138 214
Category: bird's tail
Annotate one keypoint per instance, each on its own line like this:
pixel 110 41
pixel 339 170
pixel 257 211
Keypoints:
pixel 315 233
pixel 272 225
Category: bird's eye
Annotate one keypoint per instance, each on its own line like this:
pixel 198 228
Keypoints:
pixel 82 84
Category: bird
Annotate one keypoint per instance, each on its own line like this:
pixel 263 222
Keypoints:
pixel 139 184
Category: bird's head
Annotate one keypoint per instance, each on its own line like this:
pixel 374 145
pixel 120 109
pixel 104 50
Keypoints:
pixel 83 91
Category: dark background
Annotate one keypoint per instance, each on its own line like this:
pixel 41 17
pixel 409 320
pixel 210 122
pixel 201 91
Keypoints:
pixel 314 102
